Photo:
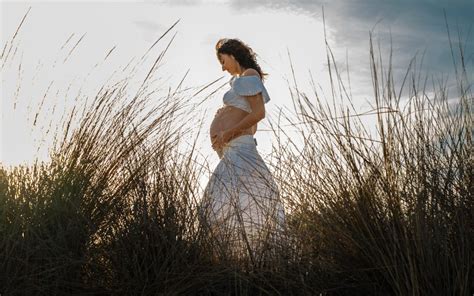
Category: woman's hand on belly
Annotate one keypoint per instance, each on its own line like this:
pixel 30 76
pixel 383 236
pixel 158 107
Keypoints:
pixel 216 145
pixel 224 137
pixel 224 119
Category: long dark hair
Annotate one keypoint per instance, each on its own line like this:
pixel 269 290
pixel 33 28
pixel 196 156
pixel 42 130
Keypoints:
pixel 244 55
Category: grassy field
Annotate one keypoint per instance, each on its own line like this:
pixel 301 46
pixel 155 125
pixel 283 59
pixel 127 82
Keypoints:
pixel 115 210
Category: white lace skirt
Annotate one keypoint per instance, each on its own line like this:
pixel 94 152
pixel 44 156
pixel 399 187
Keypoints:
pixel 241 204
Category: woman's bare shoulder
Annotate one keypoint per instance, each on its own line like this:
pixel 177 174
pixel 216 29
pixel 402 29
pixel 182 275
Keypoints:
pixel 250 72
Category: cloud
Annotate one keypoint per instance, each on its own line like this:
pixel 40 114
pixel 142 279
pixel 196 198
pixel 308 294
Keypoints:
pixel 150 26
pixel 415 27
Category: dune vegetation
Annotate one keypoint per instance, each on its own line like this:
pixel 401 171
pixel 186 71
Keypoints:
pixel 114 211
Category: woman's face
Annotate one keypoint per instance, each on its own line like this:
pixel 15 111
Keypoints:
pixel 228 63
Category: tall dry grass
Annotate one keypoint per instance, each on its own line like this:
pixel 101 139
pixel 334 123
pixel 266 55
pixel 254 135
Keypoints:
pixel 390 212
pixel 115 210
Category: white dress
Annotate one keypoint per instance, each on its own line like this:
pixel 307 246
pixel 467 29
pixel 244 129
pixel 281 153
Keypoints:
pixel 241 203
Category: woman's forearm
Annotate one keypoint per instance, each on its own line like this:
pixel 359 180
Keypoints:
pixel 247 122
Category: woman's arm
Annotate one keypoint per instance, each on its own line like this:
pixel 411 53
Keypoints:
pixel 256 105
pixel 257 113
pixel 251 119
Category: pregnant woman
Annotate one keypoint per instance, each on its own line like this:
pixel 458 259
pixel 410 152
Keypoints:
pixel 241 204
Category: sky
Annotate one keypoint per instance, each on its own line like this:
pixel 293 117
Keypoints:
pixel 278 31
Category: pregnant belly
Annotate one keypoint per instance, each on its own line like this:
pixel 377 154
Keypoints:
pixel 227 117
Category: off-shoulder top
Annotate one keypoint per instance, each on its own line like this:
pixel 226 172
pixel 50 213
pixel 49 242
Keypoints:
pixel 244 86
